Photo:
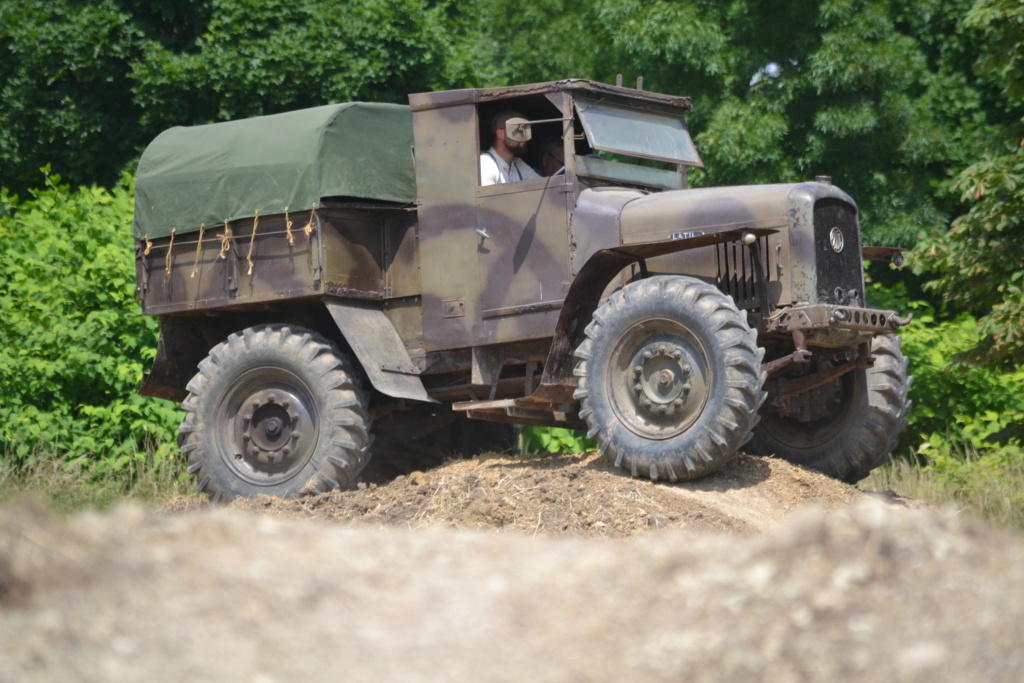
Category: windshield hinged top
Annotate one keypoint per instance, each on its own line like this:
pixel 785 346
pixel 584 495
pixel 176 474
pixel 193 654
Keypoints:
pixel 621 129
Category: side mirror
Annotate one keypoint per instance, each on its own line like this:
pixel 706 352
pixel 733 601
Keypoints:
pixel 519 130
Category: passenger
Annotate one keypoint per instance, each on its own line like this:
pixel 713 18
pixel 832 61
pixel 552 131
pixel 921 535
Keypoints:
pixel 552 157
pixel 503 162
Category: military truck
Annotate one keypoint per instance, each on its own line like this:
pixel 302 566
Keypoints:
pixel 335 283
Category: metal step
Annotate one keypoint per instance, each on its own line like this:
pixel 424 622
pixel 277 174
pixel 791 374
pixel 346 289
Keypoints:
pixel 524 411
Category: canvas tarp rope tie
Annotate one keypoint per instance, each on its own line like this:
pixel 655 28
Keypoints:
pixel 170 247
pixel 252 241
pixel 309 226
pixel 149 246
pixel 199 246
pixel 225 241
pixel 288 228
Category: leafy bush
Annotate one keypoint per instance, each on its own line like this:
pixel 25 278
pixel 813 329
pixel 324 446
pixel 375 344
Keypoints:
pixel 73 341
pixel 555 440
pixel 958 407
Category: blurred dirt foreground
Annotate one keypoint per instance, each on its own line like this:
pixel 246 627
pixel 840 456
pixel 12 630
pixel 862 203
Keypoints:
pixel 517 569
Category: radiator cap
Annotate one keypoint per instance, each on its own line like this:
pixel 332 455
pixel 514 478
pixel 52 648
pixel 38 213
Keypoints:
pixel 824 179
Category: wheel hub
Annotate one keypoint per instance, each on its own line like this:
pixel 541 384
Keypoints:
pixel 662 378
pixel 271 429
pixel 667 380
pixel 274 431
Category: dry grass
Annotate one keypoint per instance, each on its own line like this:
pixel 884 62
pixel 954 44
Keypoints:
pixel 73 486
pixel 994 494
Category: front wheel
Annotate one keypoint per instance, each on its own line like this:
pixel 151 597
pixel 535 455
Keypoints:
pixel 669 378
pixel 854 424
pixel 274 410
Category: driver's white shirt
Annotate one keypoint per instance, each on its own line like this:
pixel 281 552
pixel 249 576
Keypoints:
pixel 494 170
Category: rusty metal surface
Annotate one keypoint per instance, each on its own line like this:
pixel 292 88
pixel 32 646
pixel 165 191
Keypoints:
pixel 218 268
pixel 178 352
pixel 781 389
pixel 814 317
pixel 524 261
pixel 353 253
pixel 447 170
pixel 596 222
pixel 892 254
pixel 379 349
pixel 184 342
pixel 665 215
pixel 401 256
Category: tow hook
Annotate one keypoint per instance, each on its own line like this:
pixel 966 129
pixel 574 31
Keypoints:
pixel 895 321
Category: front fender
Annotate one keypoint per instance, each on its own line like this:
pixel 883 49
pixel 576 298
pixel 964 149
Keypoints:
pixel 589 285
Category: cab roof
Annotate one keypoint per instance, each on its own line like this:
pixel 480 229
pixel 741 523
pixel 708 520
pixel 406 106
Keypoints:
pixel 433 100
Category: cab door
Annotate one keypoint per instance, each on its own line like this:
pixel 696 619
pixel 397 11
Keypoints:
pixel 523 256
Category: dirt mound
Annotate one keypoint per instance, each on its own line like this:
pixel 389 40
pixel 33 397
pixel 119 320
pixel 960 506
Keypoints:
pixel 863 593
pixel 573 494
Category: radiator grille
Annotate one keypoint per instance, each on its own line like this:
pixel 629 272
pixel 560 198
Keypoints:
pixel 839 275
pixel 735 275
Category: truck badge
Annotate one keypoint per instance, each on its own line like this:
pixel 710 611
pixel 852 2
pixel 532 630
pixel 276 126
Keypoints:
pixel 835 239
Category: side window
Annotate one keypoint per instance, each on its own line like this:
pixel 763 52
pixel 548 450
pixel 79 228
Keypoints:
pixel 534 150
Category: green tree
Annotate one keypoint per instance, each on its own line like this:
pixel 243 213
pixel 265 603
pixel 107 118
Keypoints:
pixel 266 56
pixel 85 85
pixel 979 259
pixel 64 97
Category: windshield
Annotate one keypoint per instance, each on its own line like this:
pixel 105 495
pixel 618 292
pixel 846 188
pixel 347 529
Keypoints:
pixel 633 132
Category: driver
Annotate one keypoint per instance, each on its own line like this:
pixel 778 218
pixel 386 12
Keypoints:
pixel 503 162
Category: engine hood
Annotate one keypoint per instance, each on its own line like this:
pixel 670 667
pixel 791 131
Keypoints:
pixel 606 218
pixel 687 213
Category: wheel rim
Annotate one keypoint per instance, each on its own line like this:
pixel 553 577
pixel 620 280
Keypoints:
pixel 267 426
pixel 659 378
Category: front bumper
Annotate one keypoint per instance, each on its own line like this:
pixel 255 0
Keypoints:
pixel 834 326
pixel 829 326
pixel 827 316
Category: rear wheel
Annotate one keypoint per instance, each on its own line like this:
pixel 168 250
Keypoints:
pixel 669 378
pixel 274 410
pixel 856 420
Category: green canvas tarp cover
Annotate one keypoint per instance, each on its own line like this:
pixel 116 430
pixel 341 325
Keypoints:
pixel 188 177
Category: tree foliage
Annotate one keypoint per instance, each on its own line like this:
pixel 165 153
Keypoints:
pixel 63 75
pixel 87 84
pixel 979 259
pixel 265 56
pixel 875 93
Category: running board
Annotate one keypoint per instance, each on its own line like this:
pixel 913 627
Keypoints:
pixel 523 411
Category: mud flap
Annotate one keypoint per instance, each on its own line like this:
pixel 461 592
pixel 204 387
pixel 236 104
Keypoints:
pixel 178 353
pixel 379 349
